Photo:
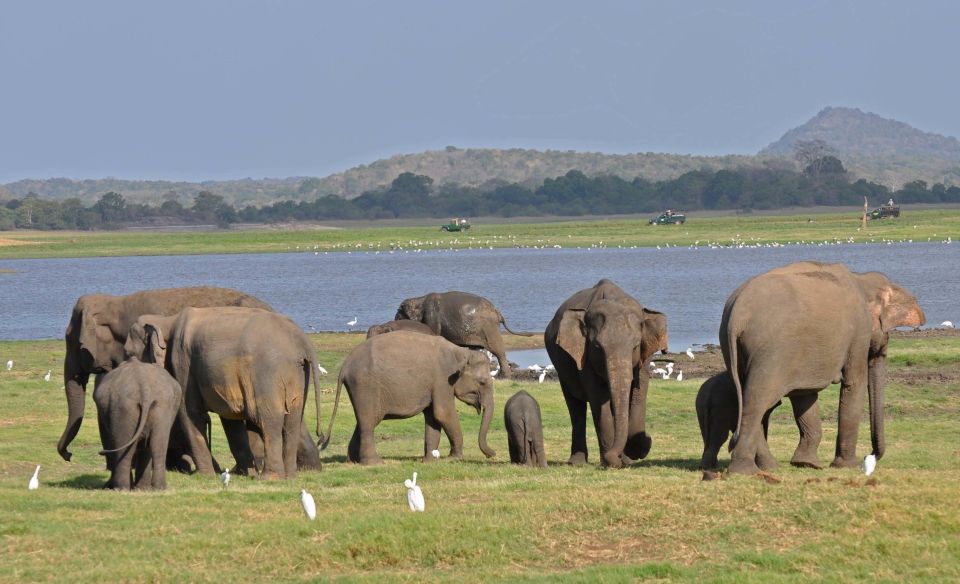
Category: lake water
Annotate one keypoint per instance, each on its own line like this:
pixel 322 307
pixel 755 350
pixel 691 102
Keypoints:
pixel 325 291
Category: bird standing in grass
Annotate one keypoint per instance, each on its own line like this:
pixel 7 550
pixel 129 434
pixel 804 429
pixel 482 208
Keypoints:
pixel 690 352
pixel 353 322
pixel 47 376
pixel 435 454
pixel 9 365
pixel 869 464
pixel 321 369
pixel 225 478
pixel 414 494
pixel 34 480
pixel 680 375
pixel 309 506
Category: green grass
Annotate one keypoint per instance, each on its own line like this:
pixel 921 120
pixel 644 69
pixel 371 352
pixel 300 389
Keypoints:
pixel 487 519
pixel 933 225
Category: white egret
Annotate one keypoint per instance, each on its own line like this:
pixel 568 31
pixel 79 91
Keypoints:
pixel 690 352
pixel 494 372
pixel 869 464
pixel 309 506
pixel 47 376
pixel 352 322
pixel 543 374
pixel 225 478
pixel 680 375
pixel 944 324
pixel 321 369
pixel 34 480
pixel 535 368
pixel 9 365
pixel 414 494
pixel 666 374
pixel 660 371
pixel 435 454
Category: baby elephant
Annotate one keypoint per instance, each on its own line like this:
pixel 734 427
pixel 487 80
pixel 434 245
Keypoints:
pixel 401 374
pixel 137 404
pixel 717 415
pixel 521 417
pixel 399 325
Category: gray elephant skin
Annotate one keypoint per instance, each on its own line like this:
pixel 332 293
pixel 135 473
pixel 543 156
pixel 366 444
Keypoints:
pixel 463 319
pixel 399 325
pixel 399 375
pixel 521 418
pixel 802 327
pixel 98 328
pixel 137 404
pixel 716 406
pixel 599 341
pixel 248 453
pixel 249 366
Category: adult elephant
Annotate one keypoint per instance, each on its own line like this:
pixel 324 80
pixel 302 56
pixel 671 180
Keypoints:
pixel 98 329
pixel 463 319
pixel 249 366
pixel 599 341
pixel 802 327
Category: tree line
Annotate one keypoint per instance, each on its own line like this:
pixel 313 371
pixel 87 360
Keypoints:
pixel 822 182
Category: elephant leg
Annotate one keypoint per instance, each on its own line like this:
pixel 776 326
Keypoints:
pixel 756 403
pixel 806 412
pixel 120 479
pixel 715 434
pixel 578 433
pixel 142 466
pixel 764 458
pixel 193 419
pixel 431 434
pixel 603 422
pixel 291 443
pixel 516 442
pixel 103 424
pixel 495 345
pixel 353 448
pixel 308 455
pixel 853 392
pixel 255 441
pixel 445 414
pixel 239 442
pixel 638 441
pixel 273 452
pixel 159 441
pixel 366 449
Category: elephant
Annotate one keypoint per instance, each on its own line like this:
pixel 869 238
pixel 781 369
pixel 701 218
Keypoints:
pixel 137 404
pixel 98 329
pixel 463 319
pixel 521 418
pixel 600 340
pixel 802 327
pixel 716 405
pixel 248 453
pixel 249 366
pixel 399 325
pixel 401 374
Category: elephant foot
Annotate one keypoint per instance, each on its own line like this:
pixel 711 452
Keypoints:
pixel 708 464
pixel 371 460
pixel 638 446
pixel 743 466
pixel 612 460
pixel 578 459
pixel 839 462
pixel 767 463
pixel 802 462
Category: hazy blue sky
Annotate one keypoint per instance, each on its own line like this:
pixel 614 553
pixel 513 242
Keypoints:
pixel 215 90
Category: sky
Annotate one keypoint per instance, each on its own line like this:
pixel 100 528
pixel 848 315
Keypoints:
pixel 211 90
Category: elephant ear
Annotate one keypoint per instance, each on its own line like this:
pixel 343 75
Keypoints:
pixel 655 337
pixel 571 336
pixel 457 363
pixel 156 347
pixel 890 305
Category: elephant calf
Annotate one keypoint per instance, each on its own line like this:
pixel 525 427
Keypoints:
pixel 521 418
pixel 717 415
pixel 136 406
pixel 402 374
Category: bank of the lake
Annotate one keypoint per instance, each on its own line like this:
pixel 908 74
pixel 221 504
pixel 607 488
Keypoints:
pixel 913 225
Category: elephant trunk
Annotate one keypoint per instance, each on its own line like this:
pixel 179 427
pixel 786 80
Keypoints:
pixel 75 387
pixel 620 377
pixel 876 387
pixel 638 441
pixel 487 406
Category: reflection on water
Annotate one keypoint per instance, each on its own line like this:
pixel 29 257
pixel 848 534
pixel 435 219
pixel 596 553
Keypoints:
pixel 324 292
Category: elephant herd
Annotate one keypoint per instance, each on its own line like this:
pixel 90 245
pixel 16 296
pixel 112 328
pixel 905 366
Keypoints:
pixel 165 359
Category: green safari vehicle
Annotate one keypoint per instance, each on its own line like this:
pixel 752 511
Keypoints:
pixel 669 217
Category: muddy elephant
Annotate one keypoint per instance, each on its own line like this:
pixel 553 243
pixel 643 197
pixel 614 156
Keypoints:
pixel 463 319
pixel 399 325
pixel 600 340
pixel 521 418
pixel 403 373
pixel 716 405
pixel 248 453
pixel 98 328
pixel 249 366
pixel 137 405
pixel 804 326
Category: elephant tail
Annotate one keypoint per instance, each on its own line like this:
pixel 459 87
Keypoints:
pixel 735 374
pixel 144 414
pixel 504 323
pixel 333 413
pixel 316 386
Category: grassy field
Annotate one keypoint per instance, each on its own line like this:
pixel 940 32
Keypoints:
pixel 920 225
pixel 487 519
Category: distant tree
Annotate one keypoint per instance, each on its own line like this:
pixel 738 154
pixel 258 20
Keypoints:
pixel 205 206
pixel 811 153
pixel 112 207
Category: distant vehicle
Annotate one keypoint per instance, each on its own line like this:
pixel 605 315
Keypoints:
pixel 456 224
pixel 883 211
pixel 669 217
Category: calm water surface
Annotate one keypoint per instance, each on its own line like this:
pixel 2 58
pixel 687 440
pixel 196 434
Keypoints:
pixel 324 292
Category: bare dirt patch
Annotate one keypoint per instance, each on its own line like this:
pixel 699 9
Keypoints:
pixel 5 242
